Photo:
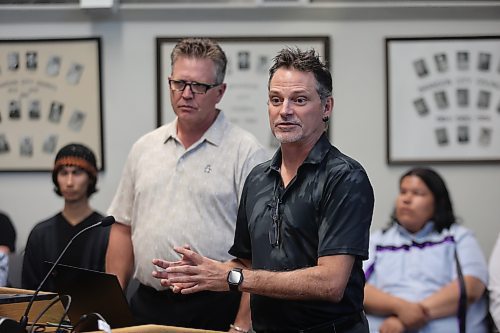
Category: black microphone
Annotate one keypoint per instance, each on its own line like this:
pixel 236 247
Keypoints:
pixel 23 322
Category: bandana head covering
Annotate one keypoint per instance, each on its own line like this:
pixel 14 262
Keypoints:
pixel 77 155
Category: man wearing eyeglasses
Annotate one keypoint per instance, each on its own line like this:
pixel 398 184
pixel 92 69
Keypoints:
pixel 303 220
pixel 181 185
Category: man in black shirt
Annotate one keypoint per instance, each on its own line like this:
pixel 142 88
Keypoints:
pixel 75 177
pixel 303 221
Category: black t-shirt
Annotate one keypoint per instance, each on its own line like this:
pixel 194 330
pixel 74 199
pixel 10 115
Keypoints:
pixel 325 210
pixel 7 233
pixel 47 240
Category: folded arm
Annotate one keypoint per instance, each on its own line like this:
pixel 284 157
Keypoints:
pixel 444 302
pixel 378 302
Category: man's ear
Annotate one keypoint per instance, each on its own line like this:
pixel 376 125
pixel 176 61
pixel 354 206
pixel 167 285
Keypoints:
pixel 220 91
pixel 328 107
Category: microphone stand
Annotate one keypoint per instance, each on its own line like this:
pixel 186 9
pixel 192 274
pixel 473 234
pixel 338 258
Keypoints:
pixel 13 327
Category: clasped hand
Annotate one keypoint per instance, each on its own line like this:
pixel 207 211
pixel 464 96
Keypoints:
pixel 410 316
pixel 191 274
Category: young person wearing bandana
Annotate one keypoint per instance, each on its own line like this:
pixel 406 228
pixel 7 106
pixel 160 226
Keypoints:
pixel 75 177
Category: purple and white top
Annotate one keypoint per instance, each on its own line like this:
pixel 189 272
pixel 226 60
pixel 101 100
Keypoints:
pixel 414 266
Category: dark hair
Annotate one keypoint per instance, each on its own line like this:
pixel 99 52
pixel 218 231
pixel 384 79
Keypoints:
pixel 304 61
pixel 202 48
pixel 75 154
pixel 443 208
pixel 8 234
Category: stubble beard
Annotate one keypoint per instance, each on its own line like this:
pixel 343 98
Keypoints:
pixel 288 137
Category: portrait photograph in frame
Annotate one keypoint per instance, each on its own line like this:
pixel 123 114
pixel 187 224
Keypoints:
pixel 247 74
pixel 50 95
pixel 443 99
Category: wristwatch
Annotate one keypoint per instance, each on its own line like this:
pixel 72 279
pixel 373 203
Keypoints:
pixel 235 279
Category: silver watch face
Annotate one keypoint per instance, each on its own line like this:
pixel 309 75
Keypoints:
pixel 234 277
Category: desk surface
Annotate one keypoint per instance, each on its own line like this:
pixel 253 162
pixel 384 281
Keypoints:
pixel 159 329
pixel 17 309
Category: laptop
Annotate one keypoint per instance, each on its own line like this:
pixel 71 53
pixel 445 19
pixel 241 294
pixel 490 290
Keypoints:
pixel 92 292
pixel 24 298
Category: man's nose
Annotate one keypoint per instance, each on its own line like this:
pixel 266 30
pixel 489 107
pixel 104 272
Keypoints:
pixel 286 108
pixel 187 92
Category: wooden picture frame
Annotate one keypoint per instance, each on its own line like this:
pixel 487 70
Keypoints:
pixel 50 95
pixel 443 99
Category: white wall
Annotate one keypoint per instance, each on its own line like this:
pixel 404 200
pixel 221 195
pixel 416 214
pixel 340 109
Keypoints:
pixel 359 119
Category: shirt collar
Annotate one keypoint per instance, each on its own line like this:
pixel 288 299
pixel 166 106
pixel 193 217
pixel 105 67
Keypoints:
pixel 425 231
pixel 315 156
pixel 213 134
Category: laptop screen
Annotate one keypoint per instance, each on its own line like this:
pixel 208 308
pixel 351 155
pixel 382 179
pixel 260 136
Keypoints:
pixel 92 292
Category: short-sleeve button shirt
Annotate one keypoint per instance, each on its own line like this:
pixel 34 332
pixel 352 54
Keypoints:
pixel 325 210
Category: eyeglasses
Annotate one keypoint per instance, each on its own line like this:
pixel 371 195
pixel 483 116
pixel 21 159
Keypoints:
pixel 274 230
pixel 196 87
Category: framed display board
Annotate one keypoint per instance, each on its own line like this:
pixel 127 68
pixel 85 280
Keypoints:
pixel 443 100
pixel 247 74
pixel 50 95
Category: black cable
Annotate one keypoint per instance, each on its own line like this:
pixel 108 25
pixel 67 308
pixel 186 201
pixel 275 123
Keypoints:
pixel 82 319
pixel 66 309
pixel 462 301
pixel 85 317
pixel 47 307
